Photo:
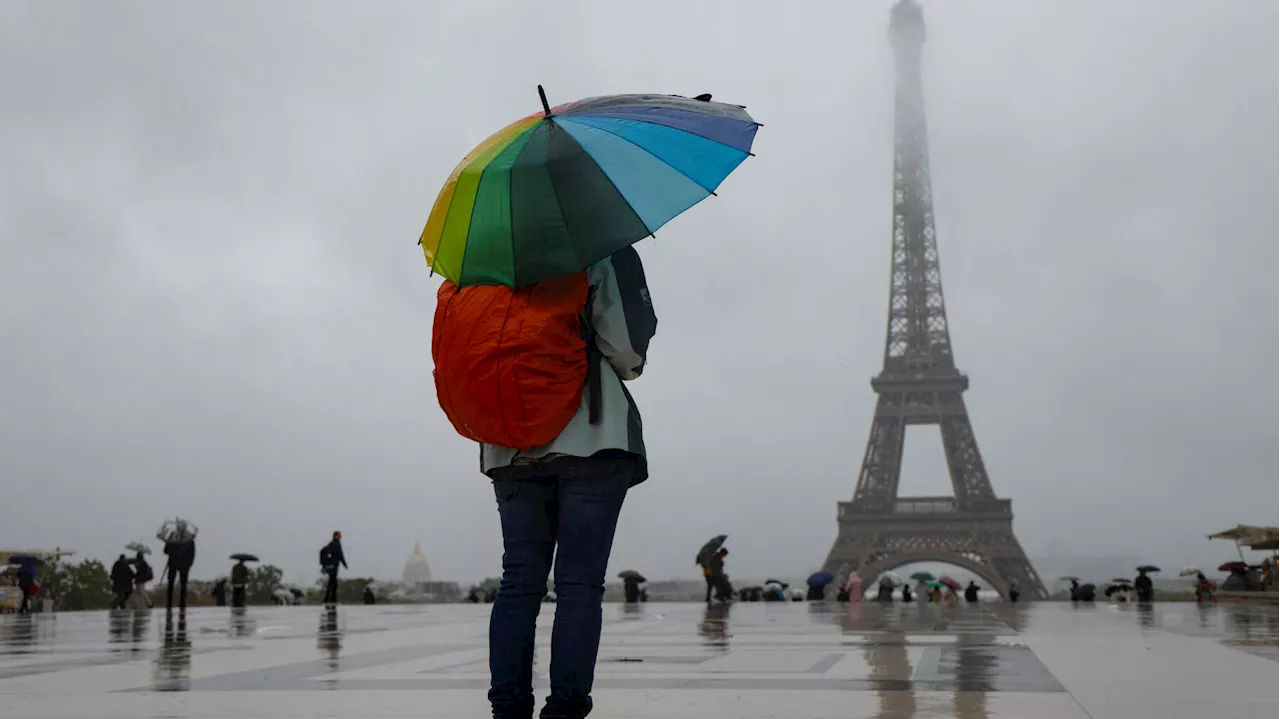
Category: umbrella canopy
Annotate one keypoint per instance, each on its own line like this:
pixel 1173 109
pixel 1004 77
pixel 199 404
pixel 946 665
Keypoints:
pixel 1188 571
pixel 631 575
pixel 1247 534
pixel 1148 568
pixel 138 547
pixel 935 585
pixel 1117 588
pixel 1088 588
pixel 710 548
pixel 1122 580
pixel 242 557
pixel 891 578
pixel 923 577
pixel 820 579
pixel 1068 578
pixel 19 559
pixel 950 582
pixel 559 190
pixel 1234 567
pixel 177 530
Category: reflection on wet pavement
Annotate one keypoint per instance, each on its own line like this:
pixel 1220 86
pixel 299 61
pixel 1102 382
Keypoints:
pixel 172 666
pixel 756 660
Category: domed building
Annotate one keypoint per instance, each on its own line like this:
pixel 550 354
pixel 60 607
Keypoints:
pixel 416 569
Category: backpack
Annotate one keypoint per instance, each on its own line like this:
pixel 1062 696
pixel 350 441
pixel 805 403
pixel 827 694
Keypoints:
pixel 511 365
pixel 326 557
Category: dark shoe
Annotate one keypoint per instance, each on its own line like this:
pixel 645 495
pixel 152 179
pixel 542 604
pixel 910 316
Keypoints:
pixel 521 708
pixel 566 708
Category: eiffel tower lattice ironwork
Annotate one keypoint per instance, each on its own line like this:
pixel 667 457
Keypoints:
pixel 920 384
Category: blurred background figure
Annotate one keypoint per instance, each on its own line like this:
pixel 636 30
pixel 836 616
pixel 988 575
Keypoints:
pixel 330 557
pixel 121 582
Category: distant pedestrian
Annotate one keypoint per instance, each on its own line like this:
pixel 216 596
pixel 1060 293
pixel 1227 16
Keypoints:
pixel 121 582
pixel 369 597
pixel 331 557
pixel 27 583
pixel 140 600
pixel 1014 594
pixel 971 593
pixel 239 583
pixel 906 593
pixel 220 592
pixel 713 572
pixel 1144 587
pixel 182 554
pixel 852 587
pixel 885 593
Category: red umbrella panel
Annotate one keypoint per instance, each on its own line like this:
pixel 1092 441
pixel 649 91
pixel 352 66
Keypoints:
pixel 949 582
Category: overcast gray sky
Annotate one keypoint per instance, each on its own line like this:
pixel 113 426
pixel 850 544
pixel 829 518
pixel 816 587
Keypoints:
pixel 211 303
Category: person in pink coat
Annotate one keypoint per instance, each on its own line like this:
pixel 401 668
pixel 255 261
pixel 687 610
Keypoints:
pixel 853 586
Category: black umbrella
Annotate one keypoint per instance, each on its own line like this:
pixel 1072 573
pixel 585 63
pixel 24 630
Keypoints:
pixel 784 585
pixel 710 548
pixel 1122 580
pixel 820 579
pixel 241 557
pixel 1148 568
pixel 631 575
pixel 16 559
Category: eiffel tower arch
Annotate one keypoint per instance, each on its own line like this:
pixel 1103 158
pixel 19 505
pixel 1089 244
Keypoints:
pixel 920 384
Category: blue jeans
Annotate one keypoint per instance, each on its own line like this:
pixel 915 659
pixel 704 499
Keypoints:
pixel 568 511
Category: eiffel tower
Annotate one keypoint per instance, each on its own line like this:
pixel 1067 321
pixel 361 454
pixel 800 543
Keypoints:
pixel 920 384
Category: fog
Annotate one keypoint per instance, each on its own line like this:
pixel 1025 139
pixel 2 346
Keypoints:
pixel 213 305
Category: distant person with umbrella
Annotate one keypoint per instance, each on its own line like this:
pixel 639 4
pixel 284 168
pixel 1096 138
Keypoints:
pixel 239 579
pixel 1143 585
pixel 121 582
pixel 26 580
pixel 885 592
pixel 142 573
pixel 631 581
pixel 818 582
pixel 711 559
pixel 180 548
pixel 330 557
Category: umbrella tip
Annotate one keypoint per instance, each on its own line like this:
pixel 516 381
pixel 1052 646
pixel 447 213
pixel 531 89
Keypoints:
pixel 542 95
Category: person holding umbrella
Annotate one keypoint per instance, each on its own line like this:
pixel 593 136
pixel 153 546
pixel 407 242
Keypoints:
pixel 26 580
pixel 240 579
pixel 631 581
pixel 533 233
pixel 1143 585
pixel 818 582
pixel 179 539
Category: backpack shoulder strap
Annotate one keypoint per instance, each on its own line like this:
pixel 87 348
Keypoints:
pixel 595 397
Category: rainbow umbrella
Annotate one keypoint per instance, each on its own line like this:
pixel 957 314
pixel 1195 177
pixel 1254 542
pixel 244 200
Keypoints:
pixel 557 191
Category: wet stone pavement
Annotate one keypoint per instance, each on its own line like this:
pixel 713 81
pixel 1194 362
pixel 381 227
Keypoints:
pixel 657 661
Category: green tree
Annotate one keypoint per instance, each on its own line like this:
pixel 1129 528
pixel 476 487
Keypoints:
pixel 262 582
pixel 83 585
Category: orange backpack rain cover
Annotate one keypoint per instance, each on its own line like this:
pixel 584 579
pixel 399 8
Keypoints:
pixel 511 364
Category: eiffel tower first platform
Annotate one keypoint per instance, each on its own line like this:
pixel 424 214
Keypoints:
pixel 920 384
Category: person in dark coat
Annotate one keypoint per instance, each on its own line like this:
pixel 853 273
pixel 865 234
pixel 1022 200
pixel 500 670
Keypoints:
pixel 121 582
pixel 239 583
pixel 181 556
pixel 631 588
pixel 906 593
pixel 971 593
pixel 713 571
pixel 220 592
pixel 369 597
pixel 1014 593
pixel 1144 587
pixel 330 557
pixel 885 593
pixel 26 583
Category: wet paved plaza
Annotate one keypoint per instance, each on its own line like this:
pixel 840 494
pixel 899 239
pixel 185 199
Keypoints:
pixel 657 661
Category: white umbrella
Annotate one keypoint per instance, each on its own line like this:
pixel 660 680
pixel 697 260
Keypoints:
pixel 1189 571
pixel 138 547
pixel 177 530
pixel 891 578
